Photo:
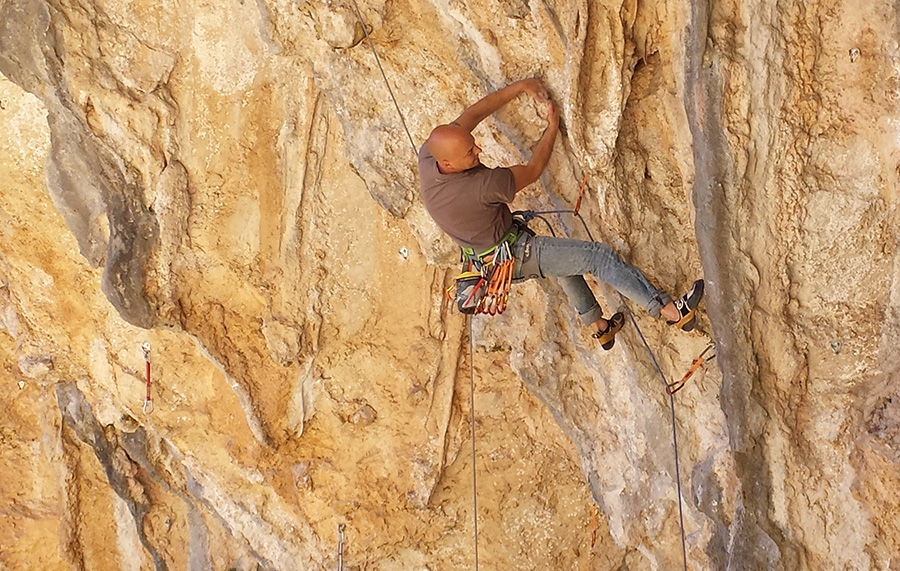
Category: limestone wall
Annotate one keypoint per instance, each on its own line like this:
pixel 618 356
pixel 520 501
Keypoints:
pixel 232 183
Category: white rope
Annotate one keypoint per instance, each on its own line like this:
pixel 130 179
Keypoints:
pixel 472 422
pixel 383 75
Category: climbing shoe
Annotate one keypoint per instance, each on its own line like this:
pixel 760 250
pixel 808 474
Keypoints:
pixel 607 337
pixel 686 305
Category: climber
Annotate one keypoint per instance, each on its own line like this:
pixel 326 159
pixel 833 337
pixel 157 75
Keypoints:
pixel 469 202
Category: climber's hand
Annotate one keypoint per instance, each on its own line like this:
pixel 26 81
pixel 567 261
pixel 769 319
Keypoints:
pixel 535 89
pixel 552 115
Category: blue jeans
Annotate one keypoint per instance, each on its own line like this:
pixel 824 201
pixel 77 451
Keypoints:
pixel 569 260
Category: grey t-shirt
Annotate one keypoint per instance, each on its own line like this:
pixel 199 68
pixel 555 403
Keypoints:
pixel 470 206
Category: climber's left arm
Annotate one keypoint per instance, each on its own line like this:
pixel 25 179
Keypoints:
pixel 479 111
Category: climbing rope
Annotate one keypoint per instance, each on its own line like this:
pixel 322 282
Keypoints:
pixel 674 431
pixel 528 215
pixel 383 75
pixel 500 300
pixel 472 422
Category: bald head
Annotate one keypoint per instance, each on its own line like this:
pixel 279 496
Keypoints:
pixel 453 148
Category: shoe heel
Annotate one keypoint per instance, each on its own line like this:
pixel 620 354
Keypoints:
pixel 615 324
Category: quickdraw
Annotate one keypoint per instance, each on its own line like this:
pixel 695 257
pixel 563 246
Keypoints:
pixel 341 528
pixel 485 285
pixel 580 194
pixel 499 282
pixel 148 400
pixel 672 388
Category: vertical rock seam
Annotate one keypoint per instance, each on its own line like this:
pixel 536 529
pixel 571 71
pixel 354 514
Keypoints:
pixel 752 540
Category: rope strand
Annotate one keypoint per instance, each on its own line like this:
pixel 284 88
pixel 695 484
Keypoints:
pixel 383 75
pixel 469 318
pixel 671 407
pixel 674 431
pixel 658 370
pixel 472 420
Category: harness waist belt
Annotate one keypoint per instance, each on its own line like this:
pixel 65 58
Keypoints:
pixel 510 238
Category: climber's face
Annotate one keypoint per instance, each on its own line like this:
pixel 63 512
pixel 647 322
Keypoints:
pixel 454 148
pixel 467 153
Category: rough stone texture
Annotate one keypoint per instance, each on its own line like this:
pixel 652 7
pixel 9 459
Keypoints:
pixel 232 183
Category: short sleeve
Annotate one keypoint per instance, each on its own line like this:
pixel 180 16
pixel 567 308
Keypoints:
pixel 499 186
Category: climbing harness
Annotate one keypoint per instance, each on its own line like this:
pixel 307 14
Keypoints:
pixel 148 399
pixel 341 546
pixel 673 388
pixel 486 278
pixel 484 284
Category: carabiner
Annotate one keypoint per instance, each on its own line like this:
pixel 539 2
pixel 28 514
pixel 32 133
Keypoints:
pixel 673 388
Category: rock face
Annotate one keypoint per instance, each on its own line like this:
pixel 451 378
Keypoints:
pixel 232 183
